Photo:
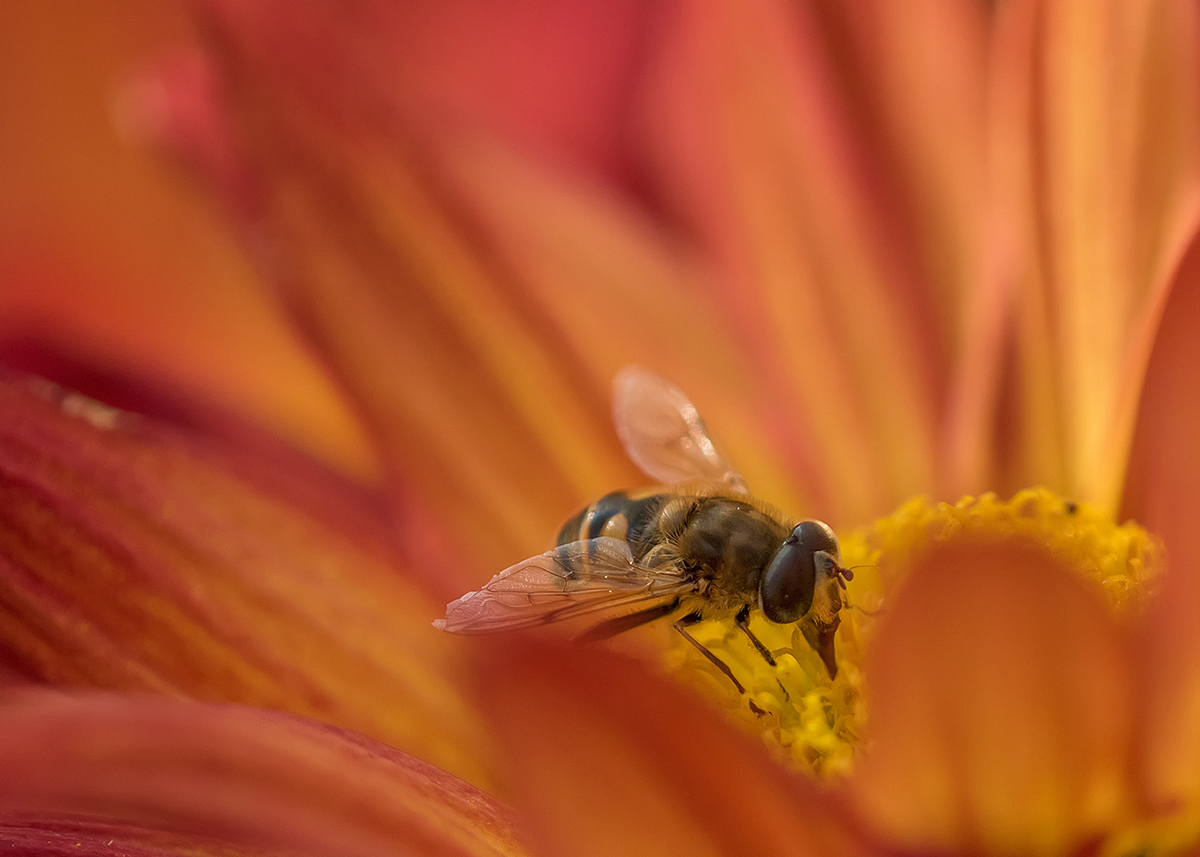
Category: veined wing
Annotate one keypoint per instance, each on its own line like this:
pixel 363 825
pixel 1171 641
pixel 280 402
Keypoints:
pixel 596 576
pixel 664 434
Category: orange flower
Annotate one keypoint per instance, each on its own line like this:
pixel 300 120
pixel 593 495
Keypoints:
pixel 936 250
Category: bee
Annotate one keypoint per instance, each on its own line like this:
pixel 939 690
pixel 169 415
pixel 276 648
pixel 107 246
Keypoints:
pixel 698 546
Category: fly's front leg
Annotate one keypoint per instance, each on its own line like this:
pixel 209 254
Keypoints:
pixel 691 619
pixel 742 620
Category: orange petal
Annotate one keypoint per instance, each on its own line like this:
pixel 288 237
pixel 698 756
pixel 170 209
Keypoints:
pixel 480 414
pixel 754 143
pixel 108 254
pixel 915 75
pixel 128 561
pixel 1099 138
pixel 635 295
pixel 1001 708
pixel 235 775
pixel 605 759
pixel 1161 493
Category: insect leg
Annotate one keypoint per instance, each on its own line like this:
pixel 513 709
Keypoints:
pixel 743 621
pixel 692 619
pixel 612 627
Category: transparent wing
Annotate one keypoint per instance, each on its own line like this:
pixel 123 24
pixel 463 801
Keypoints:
pixel 664 434
pixel 579 579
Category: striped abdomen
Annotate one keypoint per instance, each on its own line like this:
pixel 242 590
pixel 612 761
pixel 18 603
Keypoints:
pixel 620 516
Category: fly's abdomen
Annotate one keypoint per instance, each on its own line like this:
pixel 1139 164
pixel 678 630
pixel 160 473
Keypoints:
pixel 617 516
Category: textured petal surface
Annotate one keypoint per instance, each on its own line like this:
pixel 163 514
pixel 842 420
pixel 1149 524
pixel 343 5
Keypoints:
pixel 244 776
pixel 1001 708
pixel 1162 493
pixel 604 758
pixel 128 562
pixel 62 835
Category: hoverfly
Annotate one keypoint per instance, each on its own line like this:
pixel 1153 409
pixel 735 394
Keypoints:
pixel 699 546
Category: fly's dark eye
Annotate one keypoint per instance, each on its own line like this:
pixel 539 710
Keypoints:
pixel 786 590
pixel 818 537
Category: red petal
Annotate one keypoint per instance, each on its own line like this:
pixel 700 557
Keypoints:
pixel 235 774
pixel 65 835
pixel 1001 719
pixel 551 77
pixel 1162 494
pixel 128 562
pixel 605 759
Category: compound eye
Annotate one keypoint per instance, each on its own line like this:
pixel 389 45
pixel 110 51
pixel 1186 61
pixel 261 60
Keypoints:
pixel 818 536
pixel 786 591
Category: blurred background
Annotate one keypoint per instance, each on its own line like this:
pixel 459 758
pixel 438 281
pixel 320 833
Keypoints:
pixel 110 255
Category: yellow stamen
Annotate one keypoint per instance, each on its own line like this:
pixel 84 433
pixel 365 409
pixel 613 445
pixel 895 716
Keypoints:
pixel 816 723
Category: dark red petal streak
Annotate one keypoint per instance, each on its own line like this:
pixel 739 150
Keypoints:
pixel 1163 494
pixel 246 776
pixel 68 835
pixel 1001 708
pixel 604 758
pixel 129 563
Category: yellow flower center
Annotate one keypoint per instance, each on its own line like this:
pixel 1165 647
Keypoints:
pixel 815 723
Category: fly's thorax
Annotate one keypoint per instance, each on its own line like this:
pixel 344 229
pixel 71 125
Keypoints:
pixel 728 543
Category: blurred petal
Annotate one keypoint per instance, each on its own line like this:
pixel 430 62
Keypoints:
pixel 605 759
pixel 128 562
pixel 616 288
pixel 1001 708
pixel 106 253
pixel 1102 130
pixel 465 385
pixel 551 76
pixel 234 774
pixel 1161 492
pixel 913 75
pixel 821 289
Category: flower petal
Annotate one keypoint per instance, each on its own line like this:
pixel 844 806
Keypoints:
pixel 750 133
pixel 465 387
pixel 1001 708
pixel 604 758
pixel 1161 493
pixel 1100 139
pixel 128 562
pixel 64 835
pixel 241 775
pixel 635 295
pixel 554 78
pixel 109 255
